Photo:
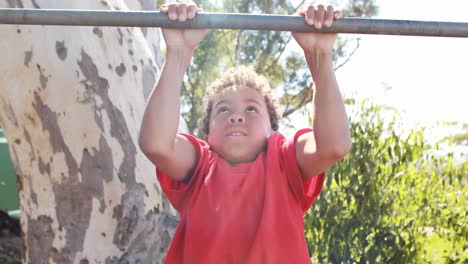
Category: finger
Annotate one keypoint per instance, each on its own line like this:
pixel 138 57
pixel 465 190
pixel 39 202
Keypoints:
pixel 319 16
pixel 163 8
pixel 338 14
pixel 191 11
pixel 300 12
pixel 329 15
pixel 182 11
pixel 310 15
pixel 172 11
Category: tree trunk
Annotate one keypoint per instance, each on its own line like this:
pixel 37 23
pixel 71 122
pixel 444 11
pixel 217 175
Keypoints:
pixel 71 101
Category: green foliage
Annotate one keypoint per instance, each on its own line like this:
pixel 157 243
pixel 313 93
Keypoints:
pixel 388 200
pixel 361 8
pixel 461 137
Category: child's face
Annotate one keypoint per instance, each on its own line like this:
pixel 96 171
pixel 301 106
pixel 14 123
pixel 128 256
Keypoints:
pixel 239 125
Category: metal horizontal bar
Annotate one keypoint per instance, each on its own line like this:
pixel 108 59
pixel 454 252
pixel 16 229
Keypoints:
pixel 228 21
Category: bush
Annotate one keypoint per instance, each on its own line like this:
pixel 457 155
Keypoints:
pixel 385 201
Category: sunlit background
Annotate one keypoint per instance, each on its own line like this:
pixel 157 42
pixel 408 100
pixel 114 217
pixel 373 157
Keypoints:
pixel 424 78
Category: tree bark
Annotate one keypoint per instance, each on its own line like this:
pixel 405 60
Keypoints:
pixel 71 101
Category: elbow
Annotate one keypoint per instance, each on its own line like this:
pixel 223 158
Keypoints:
pixel 342 148
pixel 151 147
pixel 151 151
pixel 145 147
pixel 142 141
pixel 142 145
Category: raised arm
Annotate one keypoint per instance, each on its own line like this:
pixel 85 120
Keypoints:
pixel 171 153
pixel 331 138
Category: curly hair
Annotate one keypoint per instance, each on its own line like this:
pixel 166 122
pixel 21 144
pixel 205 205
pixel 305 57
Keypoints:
pixel 241 77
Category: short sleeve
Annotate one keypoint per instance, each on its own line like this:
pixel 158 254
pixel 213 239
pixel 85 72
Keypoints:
pixel 180 193
pixel 306 190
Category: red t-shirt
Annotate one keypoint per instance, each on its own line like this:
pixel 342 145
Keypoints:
pixel 250 213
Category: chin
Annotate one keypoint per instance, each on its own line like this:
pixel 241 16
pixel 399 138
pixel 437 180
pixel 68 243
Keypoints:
pixel 240 157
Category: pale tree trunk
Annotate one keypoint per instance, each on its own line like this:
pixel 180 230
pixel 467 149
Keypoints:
pixel 71 100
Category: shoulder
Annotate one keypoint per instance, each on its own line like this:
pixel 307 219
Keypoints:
pixel 199 144
pixel 180 163
pixel 282 149
pixel 281 142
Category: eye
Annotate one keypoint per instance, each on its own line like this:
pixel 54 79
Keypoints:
pixel 251 109
pixel 223 109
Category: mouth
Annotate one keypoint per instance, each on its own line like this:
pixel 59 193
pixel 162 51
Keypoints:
pixel 236 134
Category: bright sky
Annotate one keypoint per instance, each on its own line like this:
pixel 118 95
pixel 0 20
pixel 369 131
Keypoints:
pixel 428 76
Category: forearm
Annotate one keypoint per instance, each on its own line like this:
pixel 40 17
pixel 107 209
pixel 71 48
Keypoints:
pixel 161 117
pixel 330 122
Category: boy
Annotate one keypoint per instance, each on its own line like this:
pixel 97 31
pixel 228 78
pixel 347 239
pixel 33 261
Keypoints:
pixel 242 194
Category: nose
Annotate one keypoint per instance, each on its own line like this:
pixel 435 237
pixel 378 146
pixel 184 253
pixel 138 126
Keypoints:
pixel 236 119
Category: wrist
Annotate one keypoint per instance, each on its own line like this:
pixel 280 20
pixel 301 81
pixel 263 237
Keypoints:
pixel 179 52
pixel 182 55
pixel 319 63
pixel 318 57
pixel 314 52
